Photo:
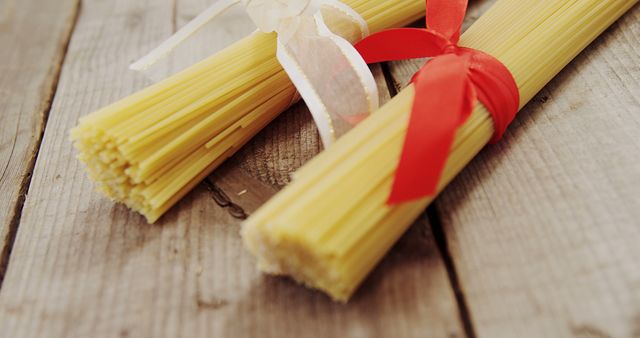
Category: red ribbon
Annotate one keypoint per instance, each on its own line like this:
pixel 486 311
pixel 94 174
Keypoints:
pixel 447 89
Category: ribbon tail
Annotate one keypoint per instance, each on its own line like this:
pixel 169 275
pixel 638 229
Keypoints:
pixel 331 77
pixel 182 34
pixel 443 100
pixel 400 44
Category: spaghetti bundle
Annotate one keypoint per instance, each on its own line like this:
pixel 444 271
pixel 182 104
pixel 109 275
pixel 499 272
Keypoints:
pixel 332 225
pixel 148 150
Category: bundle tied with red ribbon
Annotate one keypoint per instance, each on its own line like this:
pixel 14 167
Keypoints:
pixel 333 224
pixel 448 87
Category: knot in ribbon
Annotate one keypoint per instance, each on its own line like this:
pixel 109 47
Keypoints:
pixel 328 72
pixel 447 89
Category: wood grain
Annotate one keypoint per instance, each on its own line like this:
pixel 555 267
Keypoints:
pixel 83 267
pixel 543 228
pixel 30 60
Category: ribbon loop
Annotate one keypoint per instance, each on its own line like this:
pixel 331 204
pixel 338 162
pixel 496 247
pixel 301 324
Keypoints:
pixel 328 72
pixel 401 44
pixel 330 75
pixel 447 89
pixel 446 17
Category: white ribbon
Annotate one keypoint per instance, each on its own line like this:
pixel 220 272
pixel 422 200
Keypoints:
pixel 328 72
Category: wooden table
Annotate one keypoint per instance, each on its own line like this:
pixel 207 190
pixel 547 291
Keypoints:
pixel 539 237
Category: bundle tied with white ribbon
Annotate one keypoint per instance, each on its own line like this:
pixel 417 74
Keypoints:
pixel 329 74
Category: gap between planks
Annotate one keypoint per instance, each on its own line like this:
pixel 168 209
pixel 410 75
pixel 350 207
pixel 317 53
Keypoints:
pixel 14 223
pixel 440 237
pixel 439 234
pixel 410 262
pixel 220 195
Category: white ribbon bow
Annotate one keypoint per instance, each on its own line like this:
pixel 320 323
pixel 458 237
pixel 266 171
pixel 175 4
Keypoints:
pixel 328 72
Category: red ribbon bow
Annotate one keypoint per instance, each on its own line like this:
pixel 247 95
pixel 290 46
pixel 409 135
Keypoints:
pixel 447 88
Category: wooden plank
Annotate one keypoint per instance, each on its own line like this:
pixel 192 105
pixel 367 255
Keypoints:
pixel 543 228
pixel 33 36
pixel 82 267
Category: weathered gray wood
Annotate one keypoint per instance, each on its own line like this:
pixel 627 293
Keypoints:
pixel 83 267
pixel 33 36
pixel 543 229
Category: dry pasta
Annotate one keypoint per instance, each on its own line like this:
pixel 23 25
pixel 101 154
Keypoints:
pixel 331 226
pixel 148 150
